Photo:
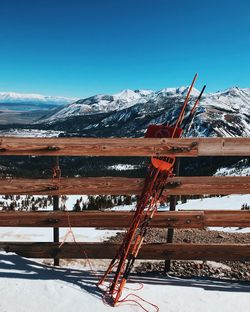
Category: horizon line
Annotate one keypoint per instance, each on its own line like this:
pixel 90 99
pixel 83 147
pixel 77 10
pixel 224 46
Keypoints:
pixel 102 93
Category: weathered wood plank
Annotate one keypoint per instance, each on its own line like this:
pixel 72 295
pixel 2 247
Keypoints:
pixel 227 218
pixel 157 251
pixel 122 186
pixel 98 219
pixel 121 219
pixel 181 147
pixel 208 185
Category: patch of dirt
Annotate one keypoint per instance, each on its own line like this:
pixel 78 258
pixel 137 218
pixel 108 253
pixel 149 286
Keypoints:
pixel 227 269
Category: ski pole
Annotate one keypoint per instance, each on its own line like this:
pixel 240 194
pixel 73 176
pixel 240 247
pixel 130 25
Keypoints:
pixel 191 114
pixel 180 117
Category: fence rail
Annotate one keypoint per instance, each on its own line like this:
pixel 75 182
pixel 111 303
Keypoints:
pixel 186 147
pixel 182 147
pixel 114 219
pixel 156 251
pixel 124 186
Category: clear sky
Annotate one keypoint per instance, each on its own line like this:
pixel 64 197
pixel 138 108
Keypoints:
pixel 84 47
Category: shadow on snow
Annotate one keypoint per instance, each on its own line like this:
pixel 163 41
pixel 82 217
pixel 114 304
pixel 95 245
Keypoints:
pixel 14 266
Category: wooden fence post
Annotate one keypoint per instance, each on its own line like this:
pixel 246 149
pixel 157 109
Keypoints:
pixel 56 174
pixel 172 207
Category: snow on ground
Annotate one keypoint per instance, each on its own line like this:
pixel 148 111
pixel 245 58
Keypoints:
pixel 11 234
pixel 69 202
pixel 233 171
pixel 46 234
pixel 72 287
pixel 230 202
pixel 31 133
pixel 123 167
pixel 233 202
pixel 27 285
pixel 123 208
pixel 241 168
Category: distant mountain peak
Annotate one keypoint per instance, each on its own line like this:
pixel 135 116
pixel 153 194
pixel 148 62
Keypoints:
pixel 27 98
pixel 231 99
pixel 180 91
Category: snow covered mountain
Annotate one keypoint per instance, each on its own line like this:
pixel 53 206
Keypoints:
pixel 101 103
pixel 35 99
pixel 107 103
pixel 128 113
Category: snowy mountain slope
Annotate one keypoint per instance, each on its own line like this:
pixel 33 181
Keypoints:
pixel 130 112
pixel 228 112
pixel 101 103
pixel 110 103
pixel 241 168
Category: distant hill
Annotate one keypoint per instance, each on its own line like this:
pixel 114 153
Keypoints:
pixel 25 108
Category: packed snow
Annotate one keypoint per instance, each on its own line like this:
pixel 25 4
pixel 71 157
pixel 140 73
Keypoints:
pixel 72 286
pixel 28 285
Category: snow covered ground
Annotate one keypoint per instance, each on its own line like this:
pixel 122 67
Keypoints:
pixel 27 285
pixel 31 133
pixel 241 168
pixel 123 167
pixel 233 202
pixel 9 234
pixel 46 234
pixel 228 202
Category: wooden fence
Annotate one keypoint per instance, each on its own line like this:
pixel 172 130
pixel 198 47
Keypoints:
pixel 191 147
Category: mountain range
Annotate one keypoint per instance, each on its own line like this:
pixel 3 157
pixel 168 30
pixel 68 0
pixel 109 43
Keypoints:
pixel 32 99
pixel 128 113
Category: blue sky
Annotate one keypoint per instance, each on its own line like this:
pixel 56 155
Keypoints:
pixel 80 48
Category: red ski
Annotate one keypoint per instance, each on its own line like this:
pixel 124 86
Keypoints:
pixel 161 168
